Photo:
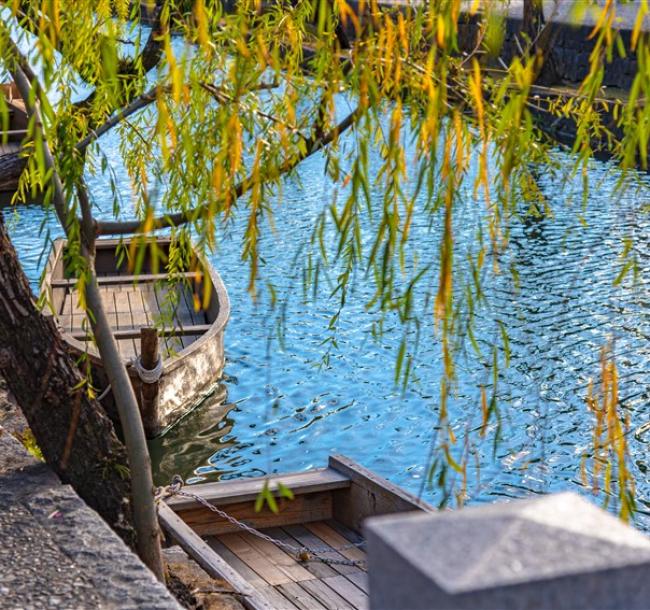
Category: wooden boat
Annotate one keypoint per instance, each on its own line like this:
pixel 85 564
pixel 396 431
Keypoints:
pixel 11 161
pixel 325 515
pixel 190 316
pixel 18 119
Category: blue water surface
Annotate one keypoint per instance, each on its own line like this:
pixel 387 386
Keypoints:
pixel 287 409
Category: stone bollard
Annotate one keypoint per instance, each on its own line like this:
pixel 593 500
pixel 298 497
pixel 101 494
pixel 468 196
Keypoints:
pixel 556 552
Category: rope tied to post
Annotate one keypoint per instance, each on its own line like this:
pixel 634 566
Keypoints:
pixel 147 375
pixel 300 553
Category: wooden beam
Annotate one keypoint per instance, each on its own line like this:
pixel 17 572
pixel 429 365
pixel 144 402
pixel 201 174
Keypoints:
pixel 134 333
pixel 208 559
pixel 129 279
pixel 247 490
pixel 149 356
pixel 369 495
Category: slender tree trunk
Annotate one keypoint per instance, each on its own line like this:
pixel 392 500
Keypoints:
pixel 75 435
pixel 145 518
pixel 539 36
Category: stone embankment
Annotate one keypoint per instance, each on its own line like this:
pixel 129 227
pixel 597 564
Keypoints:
pixel 56 552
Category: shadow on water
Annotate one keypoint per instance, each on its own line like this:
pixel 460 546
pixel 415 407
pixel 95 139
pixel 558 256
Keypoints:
pixel 207 426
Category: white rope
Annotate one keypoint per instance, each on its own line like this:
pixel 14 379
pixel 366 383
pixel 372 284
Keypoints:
pixel 103 395
pixel 148 375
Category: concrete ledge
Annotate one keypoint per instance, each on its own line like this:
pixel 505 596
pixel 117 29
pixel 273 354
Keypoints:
pixel 557 552
pixel 58 553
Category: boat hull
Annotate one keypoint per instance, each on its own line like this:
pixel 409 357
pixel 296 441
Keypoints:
pixel 190 324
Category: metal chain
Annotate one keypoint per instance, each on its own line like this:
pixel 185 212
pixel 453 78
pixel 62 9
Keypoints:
pixel 302 553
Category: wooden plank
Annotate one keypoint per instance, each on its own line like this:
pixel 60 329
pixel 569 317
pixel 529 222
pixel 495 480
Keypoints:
pixel 143 278
pixel 310 540
pixel 369 495
pixel 303 508
pixel 346 532
pixel 160 292
pixel 210 561
pixel 133 333
pixel 361 580
pixel 283 560
pixel 149 302
pixel 300 597
pixel 235 562
pixel 276 599
pixel 317 568
pixel 124 321
pixel 241 490
pixel 325 595
pixel 348 591
pixel 255 560
pixel 335 540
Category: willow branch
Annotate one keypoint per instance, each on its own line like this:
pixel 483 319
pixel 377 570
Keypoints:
pixel 138 103
pixel 312 146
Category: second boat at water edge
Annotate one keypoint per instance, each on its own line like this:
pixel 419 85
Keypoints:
pixel 190 314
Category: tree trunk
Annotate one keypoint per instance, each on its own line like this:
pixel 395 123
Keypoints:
pixel 73 432
pixel 539 36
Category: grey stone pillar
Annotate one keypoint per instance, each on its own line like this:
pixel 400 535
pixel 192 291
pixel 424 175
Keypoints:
pixel 556 552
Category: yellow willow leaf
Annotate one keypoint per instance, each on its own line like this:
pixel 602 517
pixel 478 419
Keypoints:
pixel 403 36
pixel 485 413
pixel 603 17
pixel 234 127
pixel 347 13
pixel 202 25
pixel 207 294
pixel 477 94
pixel 440 31
pixel 163 120
pixel 262 51
pixel 56 16
pixel 460 147
pixel 638 23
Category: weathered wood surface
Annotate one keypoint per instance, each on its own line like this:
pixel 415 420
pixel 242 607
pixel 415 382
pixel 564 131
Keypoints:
pixel 190 331
pixel 310 520
pixel 149 391
pixel 247 490
pixel 290 583
pixel 210 561
pixel 369 495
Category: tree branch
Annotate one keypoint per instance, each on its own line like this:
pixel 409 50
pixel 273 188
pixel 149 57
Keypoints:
pixel 138 103
pixel 312 145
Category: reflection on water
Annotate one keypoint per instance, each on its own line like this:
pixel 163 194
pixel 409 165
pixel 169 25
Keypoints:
pixel 284 412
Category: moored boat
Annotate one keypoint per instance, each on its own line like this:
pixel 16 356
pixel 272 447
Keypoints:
pixel 12 133
pixel 189 315
pixel 307 553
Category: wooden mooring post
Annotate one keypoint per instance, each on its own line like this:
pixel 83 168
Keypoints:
pixel 149 358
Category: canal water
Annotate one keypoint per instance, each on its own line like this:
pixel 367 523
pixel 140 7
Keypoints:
pixel 287 409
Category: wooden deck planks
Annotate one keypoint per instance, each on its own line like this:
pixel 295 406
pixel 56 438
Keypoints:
pixel 300 597
pixel 127 347
pixel 255 560
pixel 136 305
pixel 310 585
pixel 325 595
pixel 309 539
pixel 348 591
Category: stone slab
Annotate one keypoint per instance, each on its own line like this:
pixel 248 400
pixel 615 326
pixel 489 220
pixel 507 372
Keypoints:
pixel 554 552
pixel 56 552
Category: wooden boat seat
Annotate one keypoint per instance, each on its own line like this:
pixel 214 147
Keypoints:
pixel 134 333
pixel 142 278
